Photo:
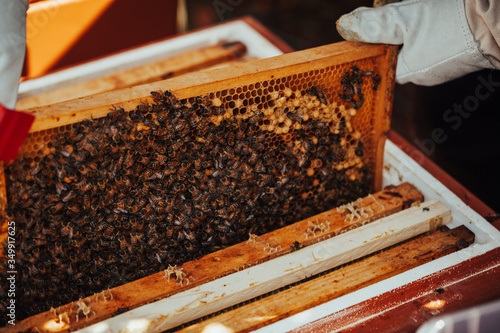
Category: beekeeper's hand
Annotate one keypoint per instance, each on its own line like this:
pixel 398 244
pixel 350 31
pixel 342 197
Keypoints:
pixel 438 44
pixel 12 48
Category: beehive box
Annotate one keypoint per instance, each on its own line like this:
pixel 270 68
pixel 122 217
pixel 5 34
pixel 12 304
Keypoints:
pixel 397 169
pixel 176 169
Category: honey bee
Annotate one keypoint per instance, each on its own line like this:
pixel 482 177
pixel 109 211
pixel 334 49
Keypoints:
pixel 143 160
pixel 152 241
pixel 315 91
pixel 69 270
pixel 188 235
pixel 60 187
pixel 234 174
pixel 190 247
pixel 253 158
pixel 303 161
pixel 197 164
pixel 135 239
pixel 70 195
pixel 246 168
pixel 224 238
pixel 29 258
pixel 376 82
pixel 295 117
pixel 309 146
pixel 265 178
pixel 58 248
pixel 137 117
pixel 109 231
pixel 73 208
pixel 67 231
pixel 233 207
pixel 146 174
pixel 94 246
pixel 260 167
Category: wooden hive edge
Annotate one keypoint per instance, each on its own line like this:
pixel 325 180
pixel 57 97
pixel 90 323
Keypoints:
pixel 375 268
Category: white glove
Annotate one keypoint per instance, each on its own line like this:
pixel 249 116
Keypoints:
pixel 438 45
pixel 12 48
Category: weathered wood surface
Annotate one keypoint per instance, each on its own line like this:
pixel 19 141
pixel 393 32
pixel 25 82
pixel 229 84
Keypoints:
pixel 234 258
pixel 340 282
pixel 471 282
pixel 271 275
pixel 155 71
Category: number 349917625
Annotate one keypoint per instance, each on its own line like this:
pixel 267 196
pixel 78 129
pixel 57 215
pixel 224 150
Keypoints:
pixel 11 247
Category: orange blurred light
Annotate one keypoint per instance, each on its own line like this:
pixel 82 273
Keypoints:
pixel 55 325
pixel 53 27
pixel 435 305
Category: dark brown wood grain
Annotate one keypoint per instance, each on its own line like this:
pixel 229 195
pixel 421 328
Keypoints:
pixel 404 309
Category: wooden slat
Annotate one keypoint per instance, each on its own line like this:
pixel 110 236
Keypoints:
pixel 204 82
pixel 279 272
pixel 236 258
pixel 160 70
pixel 340 282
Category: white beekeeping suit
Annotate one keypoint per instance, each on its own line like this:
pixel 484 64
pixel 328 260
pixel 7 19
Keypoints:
pixel 442 39
pixel 12 48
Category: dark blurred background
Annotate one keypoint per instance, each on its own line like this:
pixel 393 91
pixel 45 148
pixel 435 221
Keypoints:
pixel 468 147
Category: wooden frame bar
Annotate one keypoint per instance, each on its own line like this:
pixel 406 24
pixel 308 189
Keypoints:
pixel 160 70
pixel 340 282
pixel 204 82
pixel 466 284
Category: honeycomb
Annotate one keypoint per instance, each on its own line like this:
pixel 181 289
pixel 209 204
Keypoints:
pixel 245 100
pixel 107 201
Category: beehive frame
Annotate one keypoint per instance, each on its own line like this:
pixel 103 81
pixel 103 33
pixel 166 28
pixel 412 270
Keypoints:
pixel 380 58
pixel 338 57
pixel 321 67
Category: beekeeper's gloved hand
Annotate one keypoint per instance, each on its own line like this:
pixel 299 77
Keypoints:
pixel 438 44
pixel 12 48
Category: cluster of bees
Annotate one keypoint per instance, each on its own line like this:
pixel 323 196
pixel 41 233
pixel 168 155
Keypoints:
pixel 351 85
pixel 124 196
